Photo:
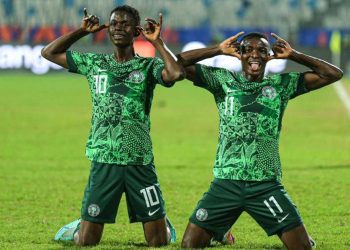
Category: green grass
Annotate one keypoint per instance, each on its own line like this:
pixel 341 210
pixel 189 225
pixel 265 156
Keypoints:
pixel 44 125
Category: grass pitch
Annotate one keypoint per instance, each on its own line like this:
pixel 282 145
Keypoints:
pixel 44 125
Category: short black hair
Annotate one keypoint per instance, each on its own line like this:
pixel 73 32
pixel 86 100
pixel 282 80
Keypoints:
pixel 254 35
pixel 130 10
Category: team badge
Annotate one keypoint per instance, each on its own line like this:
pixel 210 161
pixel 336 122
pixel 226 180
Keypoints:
pixel 94 210
pixel 136 76
pixel 202 214
pixel 269 92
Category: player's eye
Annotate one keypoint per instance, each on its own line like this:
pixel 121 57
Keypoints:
pixel 263 51
pixel 245 49
pixel 248 49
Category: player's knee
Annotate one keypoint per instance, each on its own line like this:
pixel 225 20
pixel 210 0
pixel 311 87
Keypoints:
pixel 306 245
pixel 88 242
pixel 156 241
pixel 87 239
pixel 187 242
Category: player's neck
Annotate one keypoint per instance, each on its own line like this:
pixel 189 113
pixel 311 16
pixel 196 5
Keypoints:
pixel 253 78
pixel 124 54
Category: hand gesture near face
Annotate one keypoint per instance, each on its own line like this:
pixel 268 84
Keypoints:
pixel 230 46
pixel 151 30
pixel 91 23
pixel 281 48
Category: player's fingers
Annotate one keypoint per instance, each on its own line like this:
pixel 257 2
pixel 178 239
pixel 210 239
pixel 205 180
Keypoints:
pixel 90 25
pixel 160 19
pixel 234 38
pixel 103 26
pixel 281 44
pixel 270 57
pixel 235 45
pixel 238 35
pixel 140 28
pixel 93 19
pixel 150 20
pixel 277 37
pixel 147 27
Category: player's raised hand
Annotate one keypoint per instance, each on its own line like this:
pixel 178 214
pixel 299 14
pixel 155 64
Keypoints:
pixel 91 23
pixel 151 30
pixel 281 48
pixel 230 46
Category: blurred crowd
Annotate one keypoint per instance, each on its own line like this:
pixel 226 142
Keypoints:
pixel 40 21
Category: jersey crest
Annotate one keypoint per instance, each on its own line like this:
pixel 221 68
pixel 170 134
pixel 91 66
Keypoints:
pixel 136 76
pixel 269 92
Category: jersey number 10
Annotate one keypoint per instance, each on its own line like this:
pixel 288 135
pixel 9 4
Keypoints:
pixel 150 195
pixel 100 83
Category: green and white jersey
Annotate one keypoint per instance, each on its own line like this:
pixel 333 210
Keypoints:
pixel 121 102
pixel 250 121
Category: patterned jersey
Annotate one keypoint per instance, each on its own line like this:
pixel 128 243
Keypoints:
pixel 121 101
pixel 250 121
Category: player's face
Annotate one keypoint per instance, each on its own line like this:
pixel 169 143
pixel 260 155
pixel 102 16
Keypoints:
pixel 254 56
pixel 121 29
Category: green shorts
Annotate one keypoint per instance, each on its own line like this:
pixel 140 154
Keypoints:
pixel 267 202
pixel 107 183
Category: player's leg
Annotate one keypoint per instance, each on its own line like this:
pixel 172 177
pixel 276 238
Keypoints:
pixel 214 215
pixel 100 203
pixel 296 238
pixel 89 234
pixel 146 204
pixel 199 237
pixel 196 237
pixel 156 233
pixel 269 204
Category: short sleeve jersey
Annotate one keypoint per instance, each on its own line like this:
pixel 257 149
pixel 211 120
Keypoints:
pixel 250 117
pixel 121 102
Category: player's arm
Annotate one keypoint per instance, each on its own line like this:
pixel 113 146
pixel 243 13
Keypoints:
pixel 228 47
pixel 56 50
pixel 322 74
pixel 172 71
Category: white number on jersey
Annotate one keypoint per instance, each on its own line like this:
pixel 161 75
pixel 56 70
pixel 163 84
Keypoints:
pixel 100 83
pixel 229 105
pixel 273 200
pixel 150 195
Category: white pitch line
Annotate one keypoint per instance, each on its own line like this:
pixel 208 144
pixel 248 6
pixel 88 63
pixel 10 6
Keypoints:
pixel 343 95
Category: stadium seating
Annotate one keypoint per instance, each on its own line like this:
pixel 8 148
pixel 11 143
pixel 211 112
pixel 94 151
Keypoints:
pixel 37 21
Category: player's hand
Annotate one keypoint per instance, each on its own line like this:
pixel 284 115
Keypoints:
pixel 151 30
pixel 230 46
pixel 281 48
pixel 91 23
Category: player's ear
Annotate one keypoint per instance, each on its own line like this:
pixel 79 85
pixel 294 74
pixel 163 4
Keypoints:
pixel 241 49
pixel 137 31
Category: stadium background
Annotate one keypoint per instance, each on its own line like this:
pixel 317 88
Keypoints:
pixel 45 118
pixel 307 24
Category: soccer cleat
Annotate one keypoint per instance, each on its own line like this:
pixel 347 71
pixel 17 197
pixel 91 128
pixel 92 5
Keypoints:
pixel 172 231
pixel 312 242
pixel 228 239
pixel 66 233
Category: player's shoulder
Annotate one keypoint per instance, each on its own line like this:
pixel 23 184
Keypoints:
pixel 283 77
pixel 150 59
pixel 214 71
pixel 91 55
